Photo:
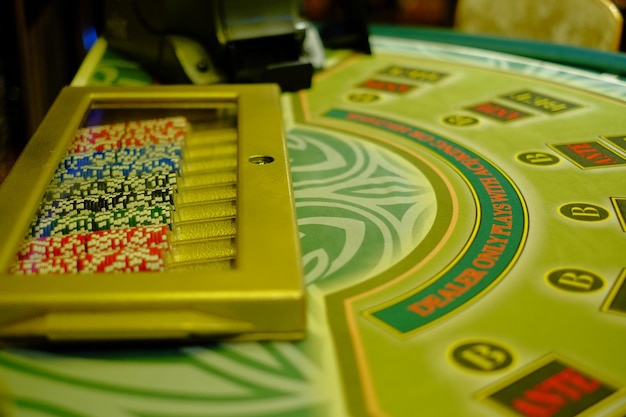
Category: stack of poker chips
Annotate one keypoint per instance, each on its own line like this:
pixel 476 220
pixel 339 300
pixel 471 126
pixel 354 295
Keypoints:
pixel 109 205
pixel 137 248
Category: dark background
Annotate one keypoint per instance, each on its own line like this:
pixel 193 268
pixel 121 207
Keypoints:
pixel 43 46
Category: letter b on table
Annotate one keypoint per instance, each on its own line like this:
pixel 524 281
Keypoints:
pixel 575 280
pixel 482 356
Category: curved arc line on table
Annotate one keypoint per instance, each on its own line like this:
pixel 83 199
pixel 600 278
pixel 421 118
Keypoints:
pixel 503 268
pixel 484 201
pixel 30 369
pixel 40 406
pixel 368 397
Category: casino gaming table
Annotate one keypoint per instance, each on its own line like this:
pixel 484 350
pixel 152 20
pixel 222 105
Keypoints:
pixel 462 217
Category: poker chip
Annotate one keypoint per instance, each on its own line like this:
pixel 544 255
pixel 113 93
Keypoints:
pixel 85 159
pixel 126 238
pixel 140 216
pixel 99 138
pixel 144 166
pixel 119 163
pixel 57 225
pixel 125 260
pixel 110 204
pixel 98 203
pixel 52 247
pixel 148 152
pixel 118 170
pixel 112 186
pixel 85 173
pixel 131 134
pixel 100 241
pixel 45 266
